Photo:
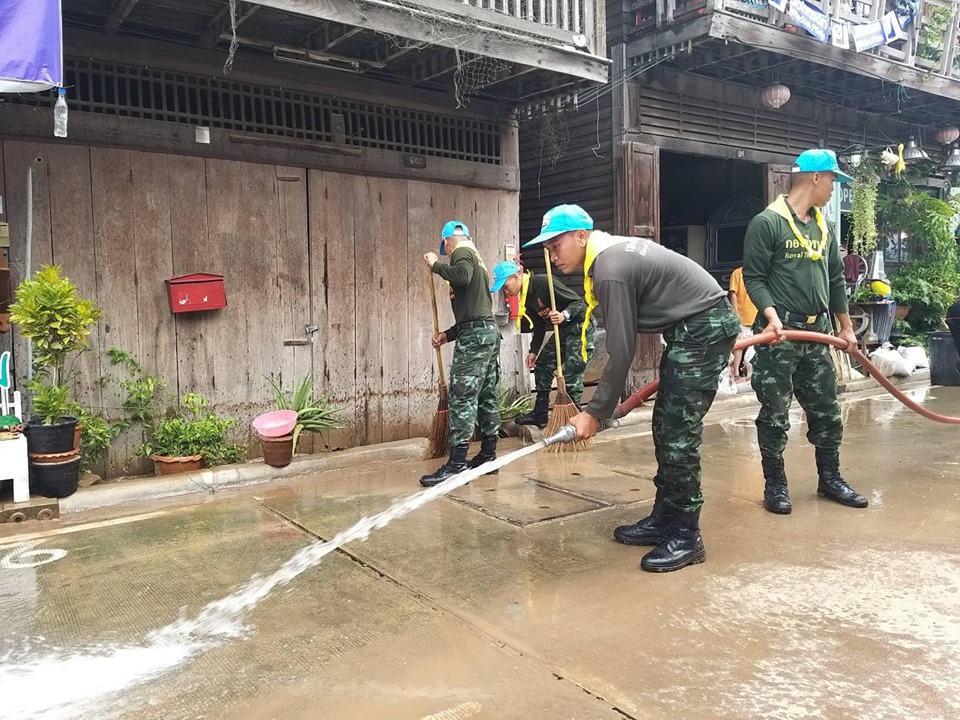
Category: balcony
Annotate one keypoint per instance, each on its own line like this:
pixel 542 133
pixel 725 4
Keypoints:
pixel 922 56
pixel 505 52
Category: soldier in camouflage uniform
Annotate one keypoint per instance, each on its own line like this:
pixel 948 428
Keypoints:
pixel 642 287
pixel 475 371
pixel 537 316
pixel 793 272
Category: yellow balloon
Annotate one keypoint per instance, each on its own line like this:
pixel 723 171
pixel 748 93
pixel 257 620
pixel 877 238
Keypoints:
pixel 880 288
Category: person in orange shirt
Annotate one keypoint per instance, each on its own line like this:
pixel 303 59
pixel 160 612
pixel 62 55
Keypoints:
pixel 744 307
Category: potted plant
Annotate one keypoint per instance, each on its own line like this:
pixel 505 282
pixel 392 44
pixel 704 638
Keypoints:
pixel 10 427
pixel 313 414
pixel 192 438
pixel 57 321
pixel 512 406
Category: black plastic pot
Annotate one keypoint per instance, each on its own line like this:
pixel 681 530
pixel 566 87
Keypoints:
pixel 50 439
pixel 55 480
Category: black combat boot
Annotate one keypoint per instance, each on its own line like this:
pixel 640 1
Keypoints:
pixel 681 546
pixel 540 413
pixel 652 529
pixel 488 452
pixel 833 486
pixel 775 497
pixel 454 466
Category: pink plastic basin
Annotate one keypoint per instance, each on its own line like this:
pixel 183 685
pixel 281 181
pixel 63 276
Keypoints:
pixel 276 423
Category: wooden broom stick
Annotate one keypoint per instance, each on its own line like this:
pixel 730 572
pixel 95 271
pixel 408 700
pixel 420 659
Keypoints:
pixel 439 441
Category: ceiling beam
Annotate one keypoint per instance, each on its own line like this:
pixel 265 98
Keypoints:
pixel 118 13
pixel 221 23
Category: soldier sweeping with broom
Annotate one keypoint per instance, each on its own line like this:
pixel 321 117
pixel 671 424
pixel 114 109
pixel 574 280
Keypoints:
pixel 537 315
pixel 642 287
pixel 475 371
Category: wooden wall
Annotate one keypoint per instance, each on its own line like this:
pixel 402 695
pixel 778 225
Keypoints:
pixel 297 247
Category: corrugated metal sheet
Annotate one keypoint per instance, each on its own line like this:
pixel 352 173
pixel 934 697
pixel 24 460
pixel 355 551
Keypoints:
pixel 689 117
pixel 583 175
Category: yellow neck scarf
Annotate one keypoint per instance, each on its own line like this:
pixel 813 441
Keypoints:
pixel 596 244
pixel 814 251
pixel 522 313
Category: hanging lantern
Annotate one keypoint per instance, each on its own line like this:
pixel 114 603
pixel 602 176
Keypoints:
pixel 946 134
pixel 773 96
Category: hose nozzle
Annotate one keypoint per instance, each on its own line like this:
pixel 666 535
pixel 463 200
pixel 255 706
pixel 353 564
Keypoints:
pixel 566 434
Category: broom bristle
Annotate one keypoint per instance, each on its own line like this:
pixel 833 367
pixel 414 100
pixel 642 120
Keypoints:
pixel 438 444
pixel 563 410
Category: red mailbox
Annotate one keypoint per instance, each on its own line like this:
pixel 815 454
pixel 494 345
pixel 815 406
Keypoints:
pixel 200 291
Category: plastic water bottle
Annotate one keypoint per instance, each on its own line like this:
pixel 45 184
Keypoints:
pixel 60 114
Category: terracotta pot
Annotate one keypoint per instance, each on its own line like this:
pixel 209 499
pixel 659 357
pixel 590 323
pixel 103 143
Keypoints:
pixel 76 437
pixel 4 322
pixel 163 465
pixel 51 458
pixel 277 452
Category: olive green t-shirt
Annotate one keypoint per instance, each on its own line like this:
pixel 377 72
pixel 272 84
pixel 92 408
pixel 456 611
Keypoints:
pixel 779 273
pixel 469 288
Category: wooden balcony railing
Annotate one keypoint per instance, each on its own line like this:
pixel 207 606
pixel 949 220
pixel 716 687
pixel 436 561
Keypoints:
pixel 930 44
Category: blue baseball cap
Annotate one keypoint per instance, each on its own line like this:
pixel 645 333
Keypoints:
pixel 501 272
pixel 562 219
pixel 454 227
pixel 820 160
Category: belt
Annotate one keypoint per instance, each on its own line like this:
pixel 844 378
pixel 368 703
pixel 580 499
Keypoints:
pixel 474 325
pixel 789 317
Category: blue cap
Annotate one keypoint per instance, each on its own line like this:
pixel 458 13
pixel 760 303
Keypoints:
pixel 562 219
pixel 501 272
pixel 820 160
pixel 454 227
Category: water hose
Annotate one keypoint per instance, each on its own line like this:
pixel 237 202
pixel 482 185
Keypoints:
pixel 767 337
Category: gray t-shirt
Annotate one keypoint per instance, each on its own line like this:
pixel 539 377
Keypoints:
pixel 643 288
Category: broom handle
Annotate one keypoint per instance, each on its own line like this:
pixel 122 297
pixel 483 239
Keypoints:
pixel 553 306
pixel 436 322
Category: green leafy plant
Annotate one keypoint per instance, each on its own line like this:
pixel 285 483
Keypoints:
pixel 863 208
pixel 57 321
pixel 96 435
pixel 51 401
pixel 513 406
pixel 194 430
pixel 143 392
pixel 932 34
pixel 314 413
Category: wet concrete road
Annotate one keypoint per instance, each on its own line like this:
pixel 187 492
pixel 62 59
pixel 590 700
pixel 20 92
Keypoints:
pixel 510 599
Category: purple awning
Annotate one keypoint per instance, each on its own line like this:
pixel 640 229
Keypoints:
pixel 31 45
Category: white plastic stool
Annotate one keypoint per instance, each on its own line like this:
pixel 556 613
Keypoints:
pixel 14 460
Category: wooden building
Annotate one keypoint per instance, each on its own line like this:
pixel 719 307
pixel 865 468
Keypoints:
pixel 307 151
pixel 681 147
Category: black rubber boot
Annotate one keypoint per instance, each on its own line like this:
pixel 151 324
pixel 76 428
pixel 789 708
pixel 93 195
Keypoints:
pixel 540 413
pixel 652 529
pixel 775 497
pixel 454 466
pixel 682 546
pixel 488 452
pixel 831 485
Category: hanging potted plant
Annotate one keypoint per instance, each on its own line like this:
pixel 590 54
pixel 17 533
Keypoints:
pixel 50 313
pixel 863 208
pixel 191 439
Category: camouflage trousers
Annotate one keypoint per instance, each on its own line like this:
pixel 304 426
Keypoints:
pixel 573 363
pixel 698 349
pixel 804 370
pixel 474 379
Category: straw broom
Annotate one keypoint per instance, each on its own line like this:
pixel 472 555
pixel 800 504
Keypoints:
pixel 563 406
pixel 439 439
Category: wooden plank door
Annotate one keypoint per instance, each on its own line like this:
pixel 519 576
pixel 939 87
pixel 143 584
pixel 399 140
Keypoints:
pixel 637 214
pixel 638 191
pixel 778 181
